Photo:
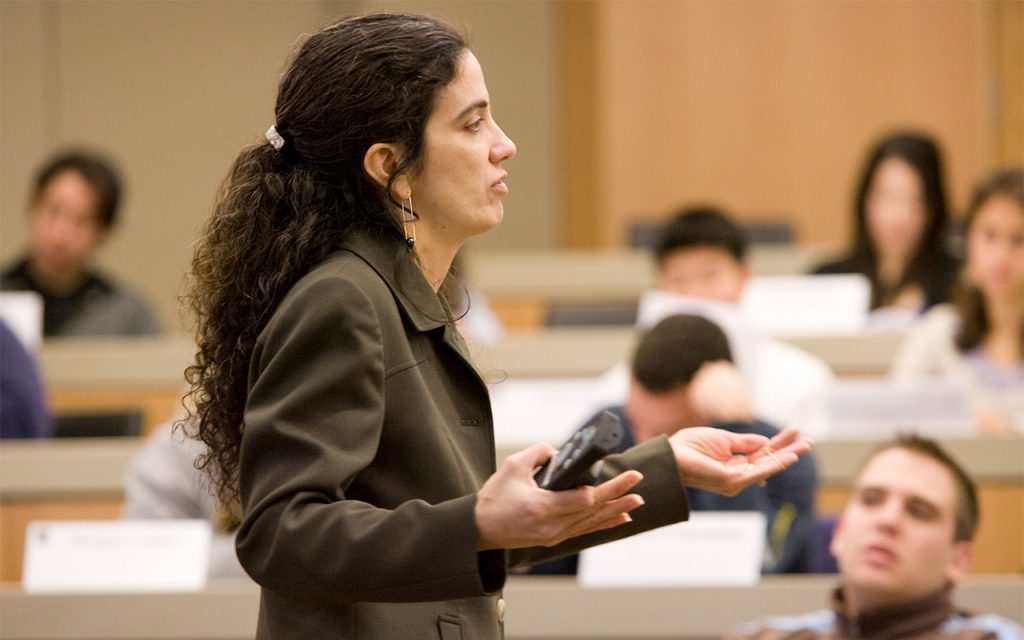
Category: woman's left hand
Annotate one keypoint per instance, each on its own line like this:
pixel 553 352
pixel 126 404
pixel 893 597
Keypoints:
pixel 726 463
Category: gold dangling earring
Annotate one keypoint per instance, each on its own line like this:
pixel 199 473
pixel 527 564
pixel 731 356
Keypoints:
pixel 409 216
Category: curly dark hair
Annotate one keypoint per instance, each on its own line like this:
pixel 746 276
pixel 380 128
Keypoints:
pixel 967 296
pixel 364 80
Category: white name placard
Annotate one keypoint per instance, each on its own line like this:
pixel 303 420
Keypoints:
pixel 116 556
pixel 713 548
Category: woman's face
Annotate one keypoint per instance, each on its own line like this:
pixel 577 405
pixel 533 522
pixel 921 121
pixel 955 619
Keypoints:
pixel 895 209
pixel 65 226
pixel 995 247
pixel 458 189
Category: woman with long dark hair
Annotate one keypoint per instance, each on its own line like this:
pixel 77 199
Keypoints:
pixel 979 339
pixel 332 387
pixel 899 226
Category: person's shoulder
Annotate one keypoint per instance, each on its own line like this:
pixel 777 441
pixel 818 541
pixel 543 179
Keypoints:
pixel 340 290
pixel 14 276
pixel 833 266
pixel 109 309
pixel 987 626
pixel 942 318
pixel 755 426
pixel 805 626
pixel 946 263
pixel 335 277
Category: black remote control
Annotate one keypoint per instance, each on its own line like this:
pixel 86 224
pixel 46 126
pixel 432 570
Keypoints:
pixel 579 460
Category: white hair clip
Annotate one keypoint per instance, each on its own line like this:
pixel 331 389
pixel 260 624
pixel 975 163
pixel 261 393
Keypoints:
pixel 274 138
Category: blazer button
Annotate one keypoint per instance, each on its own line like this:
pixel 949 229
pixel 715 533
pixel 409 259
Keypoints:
pixel 500 607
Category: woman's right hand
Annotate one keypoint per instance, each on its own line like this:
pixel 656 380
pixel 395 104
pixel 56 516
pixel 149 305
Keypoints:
pixel 513 512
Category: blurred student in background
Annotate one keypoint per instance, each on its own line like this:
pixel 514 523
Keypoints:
pixel 902 543
pixel 163 483
pixel 702 256
pixel 980 337
pixel 682 376
pixel 899 230
pixel 23 410
pixel 72 210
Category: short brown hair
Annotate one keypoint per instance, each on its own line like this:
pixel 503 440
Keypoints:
pixel 966 515
pixel 673 351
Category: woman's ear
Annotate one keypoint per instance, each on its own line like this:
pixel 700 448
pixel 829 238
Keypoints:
pixel 380 162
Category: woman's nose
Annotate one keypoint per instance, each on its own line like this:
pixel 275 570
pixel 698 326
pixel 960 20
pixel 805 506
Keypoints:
pixel 503 149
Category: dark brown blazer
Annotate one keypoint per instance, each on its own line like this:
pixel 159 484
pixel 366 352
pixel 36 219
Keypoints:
pixel 367 433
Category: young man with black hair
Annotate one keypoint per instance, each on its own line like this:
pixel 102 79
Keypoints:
pixel 702 268
pixel 682 376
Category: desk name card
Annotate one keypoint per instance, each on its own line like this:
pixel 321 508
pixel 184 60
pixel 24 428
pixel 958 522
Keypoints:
pixel 116 556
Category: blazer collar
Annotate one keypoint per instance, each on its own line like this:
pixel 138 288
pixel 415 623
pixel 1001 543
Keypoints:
pixel 390 258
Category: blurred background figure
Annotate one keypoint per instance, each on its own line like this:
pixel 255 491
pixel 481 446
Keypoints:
pixel 702 256
pixel 682 376
pixel 73 208
pixel 23 411
pixel 162 482
pixel 899 230
pixel 979 339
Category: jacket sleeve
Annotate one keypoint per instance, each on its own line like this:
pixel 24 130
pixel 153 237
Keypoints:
pixel 313 420
pixel 662 490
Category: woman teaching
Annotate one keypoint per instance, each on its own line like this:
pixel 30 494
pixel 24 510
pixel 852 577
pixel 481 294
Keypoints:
pixel 332 387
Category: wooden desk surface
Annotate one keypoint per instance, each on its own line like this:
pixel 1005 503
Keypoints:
pixel 94 467
pixel 592 351
pixel 582 275
pixel 537 608
pixel 82 479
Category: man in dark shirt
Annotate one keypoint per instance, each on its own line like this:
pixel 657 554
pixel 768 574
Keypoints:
pixel 682 376
pixel 73 208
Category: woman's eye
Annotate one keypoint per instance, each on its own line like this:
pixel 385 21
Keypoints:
pixel 475 125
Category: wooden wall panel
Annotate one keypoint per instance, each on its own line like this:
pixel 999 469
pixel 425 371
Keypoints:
pixel 768 108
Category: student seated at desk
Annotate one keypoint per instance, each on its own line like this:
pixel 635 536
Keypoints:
pixel 980 337
pixel 162 482
pixel 702 256
pixel 902 543
pixel 682 376
pixel 73 208
pixel 899 231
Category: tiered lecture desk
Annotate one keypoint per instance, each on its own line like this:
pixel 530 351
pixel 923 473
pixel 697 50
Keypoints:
pixel 81 479
pixel 522 285
pixel 539 608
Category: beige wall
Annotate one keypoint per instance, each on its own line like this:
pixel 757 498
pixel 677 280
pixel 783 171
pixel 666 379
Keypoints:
pixel 173 89
pixel 621 110
pixel 768 107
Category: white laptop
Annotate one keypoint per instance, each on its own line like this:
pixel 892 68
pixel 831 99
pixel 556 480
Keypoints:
pixel 807 306
pixel 882 408
pixel 713 548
